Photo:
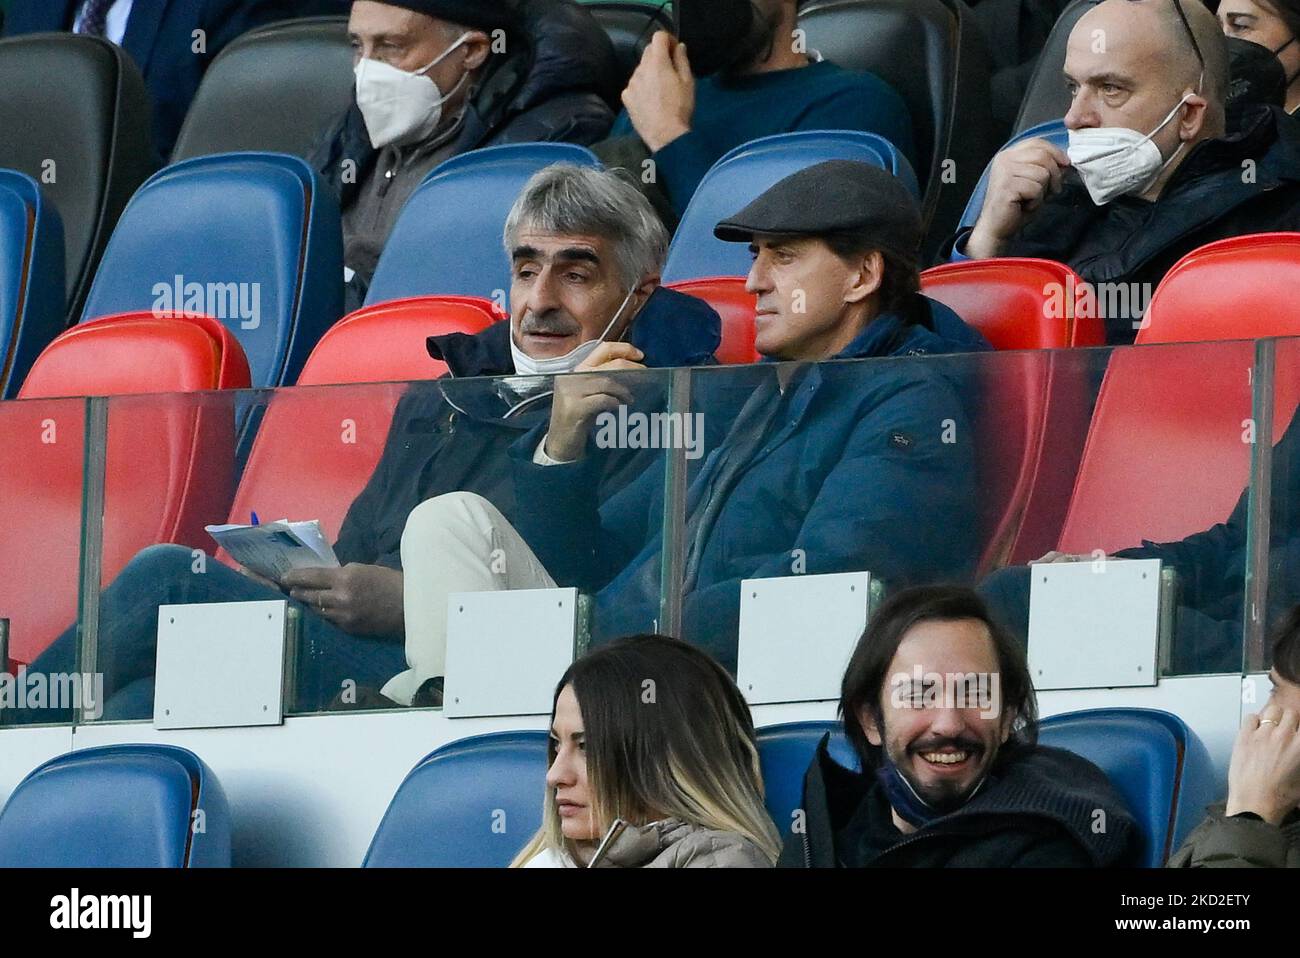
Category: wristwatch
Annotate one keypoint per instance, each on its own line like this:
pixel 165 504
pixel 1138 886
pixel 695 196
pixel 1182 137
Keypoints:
pixel 1250 816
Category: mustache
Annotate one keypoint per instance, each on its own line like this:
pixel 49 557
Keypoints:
pixel 965 743
pixel 548 324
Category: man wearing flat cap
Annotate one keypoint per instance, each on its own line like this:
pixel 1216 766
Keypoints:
pixel 824 467
pixel 437 78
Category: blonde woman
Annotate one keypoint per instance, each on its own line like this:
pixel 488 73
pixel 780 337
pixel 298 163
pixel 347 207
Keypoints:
pixel 652 765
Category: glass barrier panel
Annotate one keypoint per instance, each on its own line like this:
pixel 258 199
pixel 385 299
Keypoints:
pixel 42 469
pixel 657 492
pixel 1279 524
pixel 967 468
pixel 421 489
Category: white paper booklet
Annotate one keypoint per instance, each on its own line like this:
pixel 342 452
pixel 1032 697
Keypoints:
pixel 273 548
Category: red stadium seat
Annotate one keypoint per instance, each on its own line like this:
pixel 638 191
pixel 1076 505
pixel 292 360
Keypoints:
pixel 1237 288
pixel 169 460
pixel 726 294
pixel 386 342
pixel 1033 416
pixel 181 352
pixel 1018 303
pixel 1165 456
pixel 316 448
pixel 1030 425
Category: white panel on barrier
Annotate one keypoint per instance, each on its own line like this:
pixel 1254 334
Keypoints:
pixel 1094 624
pixel 797 633
pixel 23 748
pixel 220 664
pixel 506 650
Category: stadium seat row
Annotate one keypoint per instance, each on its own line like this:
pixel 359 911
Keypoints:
pixel 299 73
pixel 136 805
pixel 253 240
pixel 1054 476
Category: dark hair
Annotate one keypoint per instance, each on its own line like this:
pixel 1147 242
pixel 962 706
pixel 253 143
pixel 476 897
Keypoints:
pixel 668 732
pixel 864 679
pixel 1286 647
pixel 901 279
pixel 1288 11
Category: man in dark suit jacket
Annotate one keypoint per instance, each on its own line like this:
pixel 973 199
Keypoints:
pixel 160 35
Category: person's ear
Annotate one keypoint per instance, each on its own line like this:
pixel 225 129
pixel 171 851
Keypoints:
pixel 641 296
pixel 869 726
pixel 1194 118
pixel 478 47
pixel 870 274
pixel 1008 726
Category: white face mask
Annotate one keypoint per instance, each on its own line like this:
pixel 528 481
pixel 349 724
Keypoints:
pixel 526 365
pixel 1114 161
pixel 401 107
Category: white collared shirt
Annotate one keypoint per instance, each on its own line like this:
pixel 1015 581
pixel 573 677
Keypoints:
pixel 115 25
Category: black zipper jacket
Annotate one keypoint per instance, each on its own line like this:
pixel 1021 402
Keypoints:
pixel 1041 807
pixel 452 436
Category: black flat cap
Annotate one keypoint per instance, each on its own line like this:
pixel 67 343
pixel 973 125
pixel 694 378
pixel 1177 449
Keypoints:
pixel 838 196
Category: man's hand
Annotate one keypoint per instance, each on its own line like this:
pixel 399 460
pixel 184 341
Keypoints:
pixel 580 399
pixel 1021 178
pixel 660 97
pixel 1264 776
pixel 359 599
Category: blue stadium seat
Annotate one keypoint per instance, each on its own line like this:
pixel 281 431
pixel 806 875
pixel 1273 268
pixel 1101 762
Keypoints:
pixel 242 229
pixel 470 804
pixel 447 239
pixel 746 173
pixel 31 277
pixel 118 806
pixel 1159 766
pixel 785 752
pixel 1053 131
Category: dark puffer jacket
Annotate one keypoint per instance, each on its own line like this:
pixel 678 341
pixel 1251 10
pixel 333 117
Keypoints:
pixel 845 462
pixel 557 84
pixel 455 436
pixel 1037 809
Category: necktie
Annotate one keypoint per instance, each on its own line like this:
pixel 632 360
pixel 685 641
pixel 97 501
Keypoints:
pixel 94 17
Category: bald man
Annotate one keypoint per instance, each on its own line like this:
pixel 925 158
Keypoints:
pixel 1150 173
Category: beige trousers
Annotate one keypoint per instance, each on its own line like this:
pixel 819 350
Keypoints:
pixel 459 542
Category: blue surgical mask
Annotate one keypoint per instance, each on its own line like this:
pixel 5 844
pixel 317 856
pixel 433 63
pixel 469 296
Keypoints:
pixel 910 806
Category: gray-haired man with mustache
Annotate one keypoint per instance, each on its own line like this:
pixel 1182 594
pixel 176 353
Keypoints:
pixel 587 250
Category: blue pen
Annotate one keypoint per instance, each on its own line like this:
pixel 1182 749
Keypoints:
pixel 255 522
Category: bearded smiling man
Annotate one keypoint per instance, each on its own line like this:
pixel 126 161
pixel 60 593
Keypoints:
pixel 952 773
